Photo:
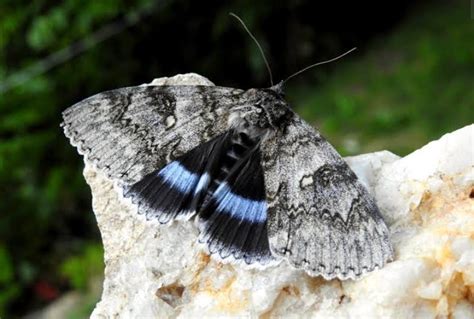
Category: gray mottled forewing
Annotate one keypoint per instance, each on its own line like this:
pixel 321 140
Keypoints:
pixel 133 131
pixel 320 217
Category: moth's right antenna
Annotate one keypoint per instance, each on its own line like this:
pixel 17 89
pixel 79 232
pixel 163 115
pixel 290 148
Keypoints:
pixel 319 63
pixel 258 44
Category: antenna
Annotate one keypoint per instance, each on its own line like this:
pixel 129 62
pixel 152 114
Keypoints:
pixel 319 63
pixel 258 44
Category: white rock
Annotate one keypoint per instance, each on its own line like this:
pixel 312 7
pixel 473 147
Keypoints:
pixel 156 271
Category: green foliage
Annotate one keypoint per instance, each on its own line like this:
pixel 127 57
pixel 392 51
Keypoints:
pixel 79 269
pixel 8 288
pixel 403 91
pixel 46 213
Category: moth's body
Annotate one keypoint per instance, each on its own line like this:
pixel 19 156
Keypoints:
pixel 262 184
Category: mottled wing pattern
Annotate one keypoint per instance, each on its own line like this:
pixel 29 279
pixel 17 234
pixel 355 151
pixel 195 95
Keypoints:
pixel 130 132
pixel 320 217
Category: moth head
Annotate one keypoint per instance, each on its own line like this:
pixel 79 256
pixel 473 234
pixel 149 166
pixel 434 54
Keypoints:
pixel 265 108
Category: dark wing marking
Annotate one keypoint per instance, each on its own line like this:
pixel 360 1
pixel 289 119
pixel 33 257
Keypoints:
pixel 174 191
pixel 320 217
pixel 233 222
pixel 130 132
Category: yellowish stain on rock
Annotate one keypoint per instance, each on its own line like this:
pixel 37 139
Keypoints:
pixel 226 299
pixel 444 255
pixel 202 261
pixel 440 214
pixel 292 290
pixel 285 292
pixel 448 200
pixel 316 282
pixel 455 289
pixel 449 212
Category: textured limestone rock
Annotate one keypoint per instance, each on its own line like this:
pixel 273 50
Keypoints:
pixel 157 271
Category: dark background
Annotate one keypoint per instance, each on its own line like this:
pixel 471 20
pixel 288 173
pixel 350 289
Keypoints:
pixel 409 82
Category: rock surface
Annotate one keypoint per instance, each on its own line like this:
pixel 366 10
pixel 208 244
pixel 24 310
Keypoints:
pixel 426 198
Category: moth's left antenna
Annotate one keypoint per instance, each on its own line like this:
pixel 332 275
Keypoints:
pixel 258 44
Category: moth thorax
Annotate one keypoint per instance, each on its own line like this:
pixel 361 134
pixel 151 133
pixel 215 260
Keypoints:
pixel 250 124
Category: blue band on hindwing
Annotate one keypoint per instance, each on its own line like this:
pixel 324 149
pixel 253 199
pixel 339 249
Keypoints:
pixel 227 193
pixel 177 176
pixel 239 207
pixel 203 183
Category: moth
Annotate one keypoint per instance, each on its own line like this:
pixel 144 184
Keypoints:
pixel 262 184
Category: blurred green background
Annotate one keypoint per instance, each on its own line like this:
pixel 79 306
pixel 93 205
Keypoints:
pixel 410 81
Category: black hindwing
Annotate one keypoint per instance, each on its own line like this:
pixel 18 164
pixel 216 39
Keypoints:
pixel 222 180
